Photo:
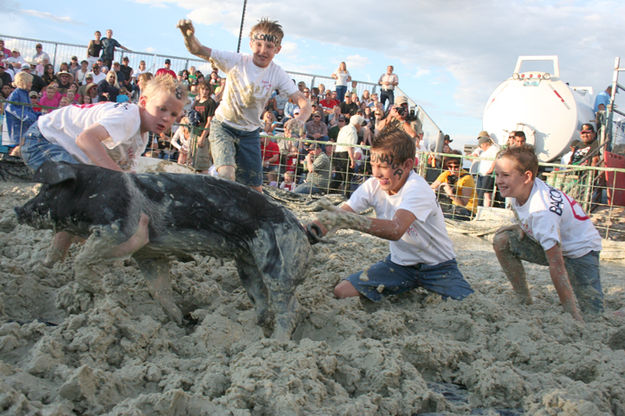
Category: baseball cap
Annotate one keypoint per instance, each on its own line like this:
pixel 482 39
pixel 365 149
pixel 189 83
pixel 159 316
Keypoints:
pixel 483 139
pixel 25 66
pixel 356 120
pixel 296 111
pixel 483 133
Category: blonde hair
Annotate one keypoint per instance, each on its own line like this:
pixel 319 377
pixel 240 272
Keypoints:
pixel 166 84
pixel 22 79
pixel 268 27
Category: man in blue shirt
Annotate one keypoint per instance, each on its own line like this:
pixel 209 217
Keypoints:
pixel 108 48
pixel 603 99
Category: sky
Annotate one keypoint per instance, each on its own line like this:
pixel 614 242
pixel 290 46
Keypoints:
pixel 449 55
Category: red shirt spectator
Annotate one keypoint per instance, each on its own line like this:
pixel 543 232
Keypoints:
pixel 166 69
pixel 270 152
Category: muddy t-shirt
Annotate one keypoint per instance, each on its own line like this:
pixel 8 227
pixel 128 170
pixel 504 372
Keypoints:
pixel 248 87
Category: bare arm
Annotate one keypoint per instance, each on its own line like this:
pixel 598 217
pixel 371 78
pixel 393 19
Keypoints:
pixel 90 142
pixel 191 42
pixel 561 282
pixel 305 108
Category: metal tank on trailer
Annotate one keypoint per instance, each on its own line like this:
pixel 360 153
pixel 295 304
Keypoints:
pixel 540 104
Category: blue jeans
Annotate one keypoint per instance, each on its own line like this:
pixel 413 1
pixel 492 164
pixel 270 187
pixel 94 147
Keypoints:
pixel 36 150
pixel 238 148
pixel 306 188
pixel 583 271
pixel 340 92
pixel 443 278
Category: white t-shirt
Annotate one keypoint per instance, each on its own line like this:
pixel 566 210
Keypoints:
pixel 426 240
pixel 341 78
pixel 487 157
pixel 248 87
pixel 551 216
pixel 98 78
pixel 348 135
pixel 121 120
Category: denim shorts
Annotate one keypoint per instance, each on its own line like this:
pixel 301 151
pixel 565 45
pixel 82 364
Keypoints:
pixel 387 278
pixel 238 148
pixel 583 271
pixel 37 149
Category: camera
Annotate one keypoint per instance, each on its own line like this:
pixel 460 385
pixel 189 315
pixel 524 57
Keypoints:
pixel 452 179
pixel 401 110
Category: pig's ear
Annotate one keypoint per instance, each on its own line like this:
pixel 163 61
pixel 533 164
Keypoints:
pixel 53 173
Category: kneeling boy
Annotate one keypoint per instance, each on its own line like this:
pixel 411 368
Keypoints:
pixel 407 214
pixel 553 230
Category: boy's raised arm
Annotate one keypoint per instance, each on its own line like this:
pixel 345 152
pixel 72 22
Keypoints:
pixel 191 42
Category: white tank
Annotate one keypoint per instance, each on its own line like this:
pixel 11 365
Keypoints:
pixel 540 104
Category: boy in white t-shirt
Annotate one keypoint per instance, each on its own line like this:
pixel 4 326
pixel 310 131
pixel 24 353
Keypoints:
pixel 407 214
pixel 110 135
pixel 250 81
pixel 553 230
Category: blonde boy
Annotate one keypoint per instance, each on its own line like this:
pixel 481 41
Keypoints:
pixel 553 230
pixel 110 135
pixel 250 81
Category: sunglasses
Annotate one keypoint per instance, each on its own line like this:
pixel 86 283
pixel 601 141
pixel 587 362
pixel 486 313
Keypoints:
pixel 586 132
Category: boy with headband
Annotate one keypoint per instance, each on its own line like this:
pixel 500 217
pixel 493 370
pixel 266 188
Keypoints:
pixel 250 80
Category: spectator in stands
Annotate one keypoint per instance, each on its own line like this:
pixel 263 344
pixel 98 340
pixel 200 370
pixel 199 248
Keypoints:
pixel 128 73
pixel 166 69
pixel 205 107
pixel 94 48
pixel 365 100
pixel 329 102
pixel 486 167
pixel 333 117
pixel 82 72
pixel 316 129
pixel 269 123
pixel 270 155
pixel 48 74
pixel 6 90
pixel 37 84
pixel 16 59
pixel 6 52
pixel 341 77
pixel 519 139
pixel 459 189
pixel 141 70
pixel 317 164
pixel 603 99
pixel 40 56
pixel 5 77
pixel 74 66
pixel 397 118
pixel 64 79
pixel 333 132
pixel 587 154
pixel 19 117
pixel 348 107
pixel 97 75
pixel 288 184
pixel 50 97
pixel 108 88
pixel 344 160
pixel 90 94
pixel 290 108
pixel 388 81
pixel 108 49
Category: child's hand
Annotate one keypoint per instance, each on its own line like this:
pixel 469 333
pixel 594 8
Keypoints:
pixel 186 27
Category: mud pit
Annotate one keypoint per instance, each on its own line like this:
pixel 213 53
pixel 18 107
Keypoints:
pixel 64 352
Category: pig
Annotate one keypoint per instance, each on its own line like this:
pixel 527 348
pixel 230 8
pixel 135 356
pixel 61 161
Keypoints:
pixel 181 214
